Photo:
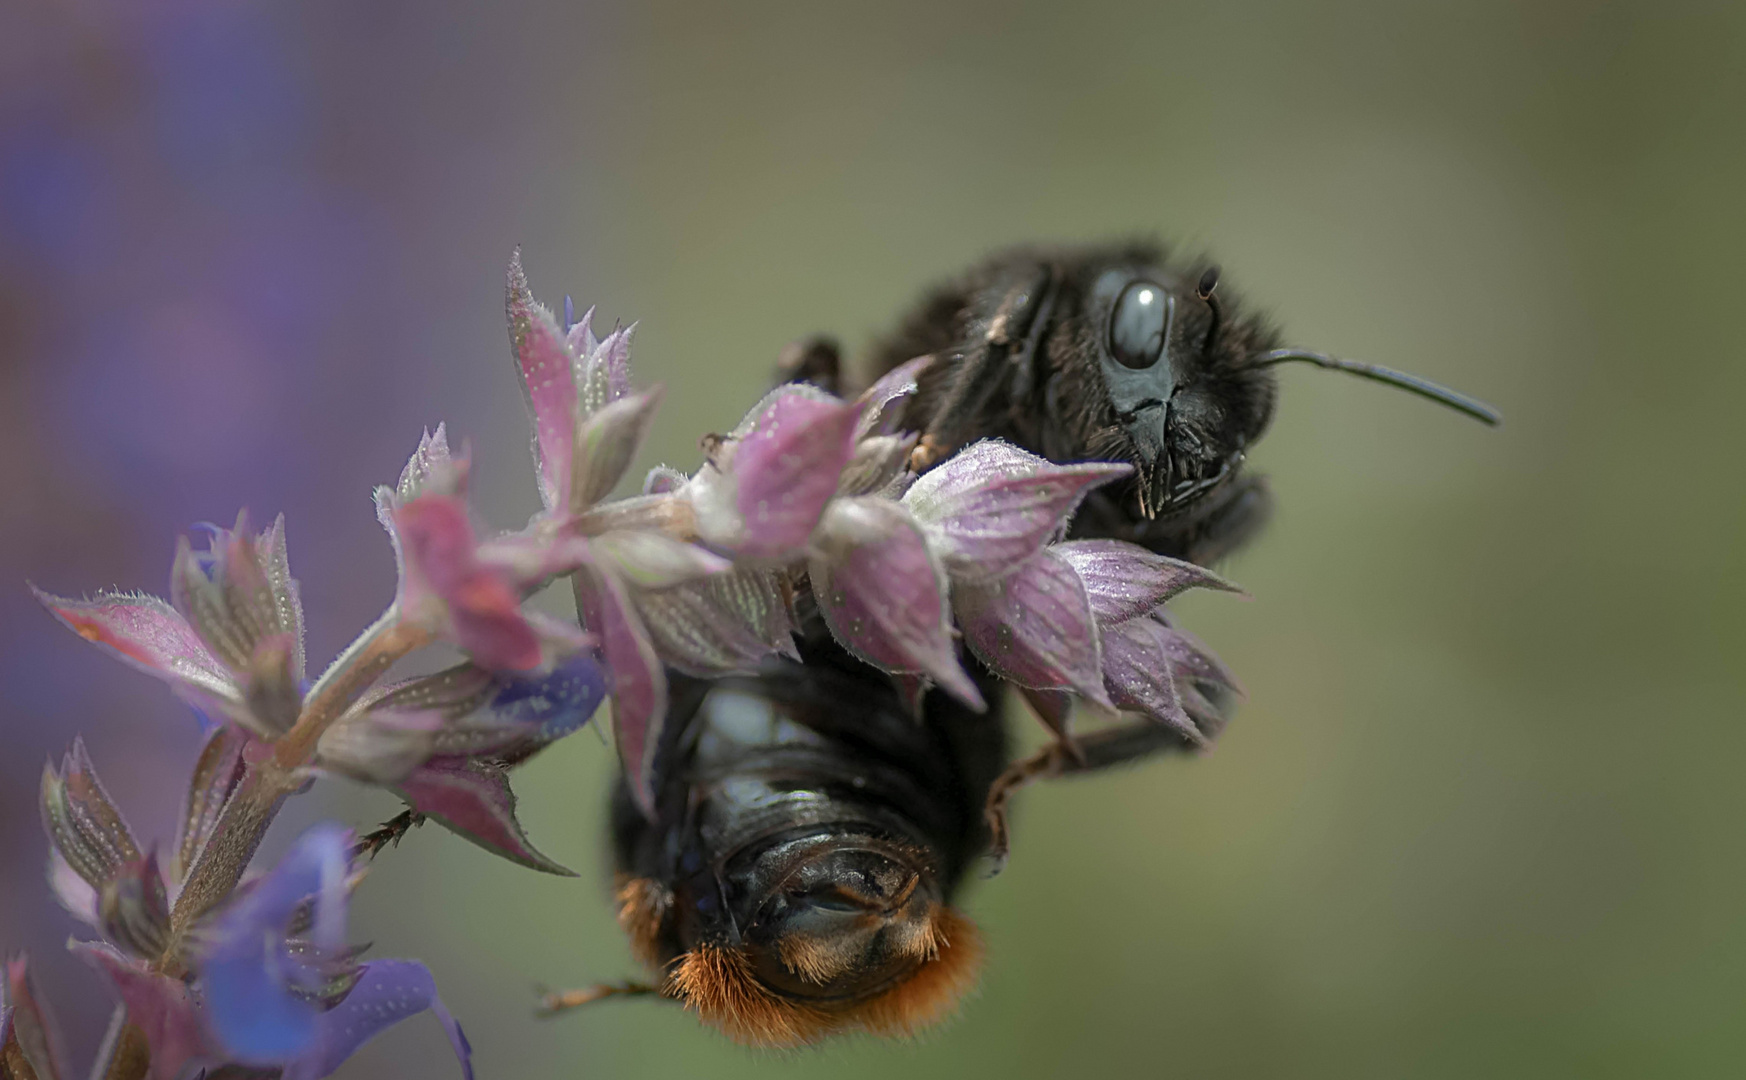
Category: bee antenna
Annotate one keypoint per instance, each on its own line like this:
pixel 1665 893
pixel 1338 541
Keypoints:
pixel 1425 388
pixel 1209 280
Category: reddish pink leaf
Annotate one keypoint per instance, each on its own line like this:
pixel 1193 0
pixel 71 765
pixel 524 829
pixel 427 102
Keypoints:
pixel 786 468
pixel 544 362
pixel 481 604
pixel 473 798
pixel 639 685
pixel 149 634
pixel 159 1006
pixel 1034 627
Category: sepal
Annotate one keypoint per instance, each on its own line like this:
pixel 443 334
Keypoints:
pixel 217 772
pixel 162 1008
pixel 992 506
pixel 765 487
pixel 883 593
pixel 1034 627
pixel 133 908
pixel 545 366
pixel 31 1047
pixel 473 799
pixel 1125 581
pixel 638 683
pixel 606 442
pixel 82 823
pixel 147 633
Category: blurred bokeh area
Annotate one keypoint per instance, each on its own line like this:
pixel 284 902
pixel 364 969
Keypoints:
pixel 1481 814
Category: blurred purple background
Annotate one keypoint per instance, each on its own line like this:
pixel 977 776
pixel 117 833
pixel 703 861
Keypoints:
pixel 219 289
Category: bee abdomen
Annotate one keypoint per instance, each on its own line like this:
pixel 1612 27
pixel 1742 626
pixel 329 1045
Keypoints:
pixel 809 836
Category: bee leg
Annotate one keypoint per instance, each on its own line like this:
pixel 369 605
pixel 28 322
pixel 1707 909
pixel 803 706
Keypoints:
pixel 553 1002
pixel 993 381
pixel 390 833
pixel 816 360
pixel 1045 762
pixel 1083 754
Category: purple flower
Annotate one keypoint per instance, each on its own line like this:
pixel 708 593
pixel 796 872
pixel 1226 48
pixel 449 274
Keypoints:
pixel 767 483
pixel 882 592
pixel 303 1003
pixel 587 423
pixel 1147 666
pixel 483 724
pixel 988 513
pixel 639 685
pixel 231 641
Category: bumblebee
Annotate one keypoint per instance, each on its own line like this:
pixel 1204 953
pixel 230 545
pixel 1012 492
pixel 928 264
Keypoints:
pixel 798 877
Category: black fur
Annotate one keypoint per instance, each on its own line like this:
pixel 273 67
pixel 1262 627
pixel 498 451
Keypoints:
pixel 1020 343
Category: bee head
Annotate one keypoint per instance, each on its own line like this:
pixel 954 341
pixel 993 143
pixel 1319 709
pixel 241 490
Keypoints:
pixel 1168 374
pixel 1162 379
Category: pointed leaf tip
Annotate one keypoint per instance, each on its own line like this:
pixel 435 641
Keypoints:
pixel 148 634
pixel 474 800
pixel 546 369
pixel 992 506
pixel 1126 581
pixel 82 822
pixel 1139 677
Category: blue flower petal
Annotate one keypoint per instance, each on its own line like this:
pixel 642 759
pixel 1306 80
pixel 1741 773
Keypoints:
pixel 389 992
pixel 553 706
pixel 245 972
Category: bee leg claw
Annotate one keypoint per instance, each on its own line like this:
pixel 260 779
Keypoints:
pixel 1045 762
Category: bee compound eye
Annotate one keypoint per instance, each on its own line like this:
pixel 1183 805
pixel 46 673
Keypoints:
pixel 1138 323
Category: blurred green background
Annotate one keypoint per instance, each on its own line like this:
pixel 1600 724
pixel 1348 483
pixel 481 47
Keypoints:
pixel 1480 814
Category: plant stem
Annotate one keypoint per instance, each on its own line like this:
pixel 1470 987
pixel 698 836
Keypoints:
pixel 657 513
pixel 264 788
pixel 354 671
